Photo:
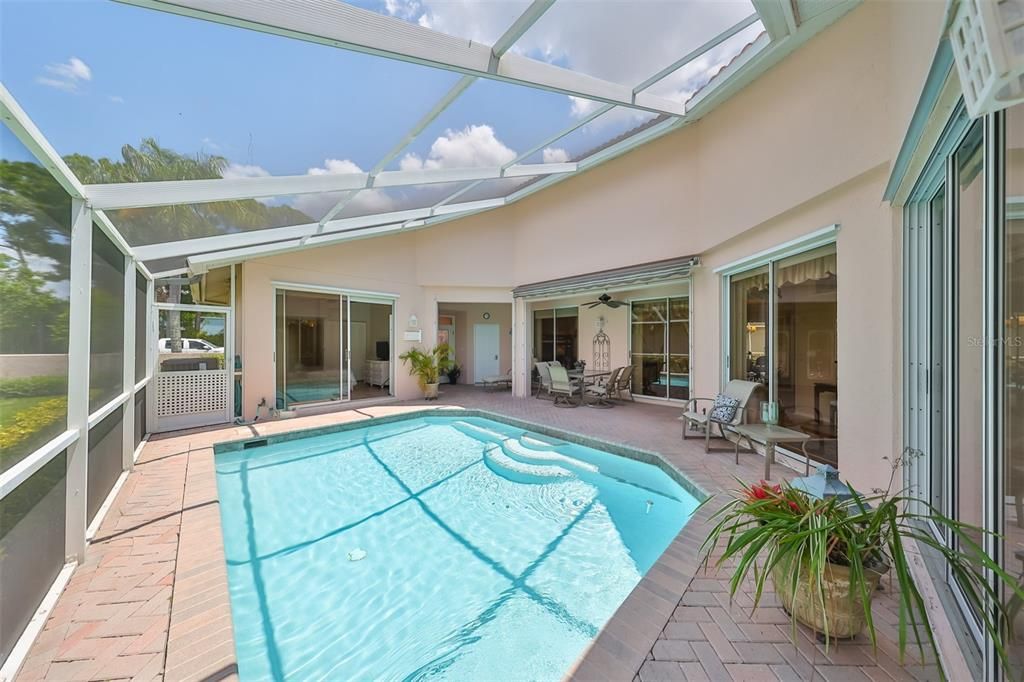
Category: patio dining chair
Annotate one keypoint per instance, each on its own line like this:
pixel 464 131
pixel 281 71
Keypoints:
pixel 562 387
pixel 544 371
pixel 596 394
pixel 729 408
pixel 623 384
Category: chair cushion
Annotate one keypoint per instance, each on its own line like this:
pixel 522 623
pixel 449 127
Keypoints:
pixel 724 409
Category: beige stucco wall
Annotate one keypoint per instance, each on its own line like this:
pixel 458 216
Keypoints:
pixel 807 144
pixel 466 316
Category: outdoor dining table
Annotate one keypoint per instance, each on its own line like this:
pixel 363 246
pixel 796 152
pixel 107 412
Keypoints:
pixel 585 376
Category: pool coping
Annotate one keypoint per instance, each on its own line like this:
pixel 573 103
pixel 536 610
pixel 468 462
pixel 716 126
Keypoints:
pixel 623 643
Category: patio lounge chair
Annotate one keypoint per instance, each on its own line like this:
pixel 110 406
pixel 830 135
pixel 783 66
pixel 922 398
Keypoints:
pixel 562 387
pixel 740 390
pixel 544 371
pixel 498 380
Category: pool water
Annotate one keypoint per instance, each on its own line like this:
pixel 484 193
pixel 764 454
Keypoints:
pixel 434 548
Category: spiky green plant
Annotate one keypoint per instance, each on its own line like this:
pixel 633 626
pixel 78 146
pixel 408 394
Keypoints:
pixel 427 366
pixel 765 526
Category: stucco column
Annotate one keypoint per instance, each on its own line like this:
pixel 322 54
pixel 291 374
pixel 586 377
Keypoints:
pixel 522 349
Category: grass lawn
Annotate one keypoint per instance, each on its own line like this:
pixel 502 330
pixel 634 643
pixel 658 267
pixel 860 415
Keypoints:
pixel 12 406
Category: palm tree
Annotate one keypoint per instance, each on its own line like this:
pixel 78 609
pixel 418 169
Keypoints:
pixel 150 162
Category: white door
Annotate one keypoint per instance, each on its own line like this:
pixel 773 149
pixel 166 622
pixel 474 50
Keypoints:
pixel 486 351
pixel 194 376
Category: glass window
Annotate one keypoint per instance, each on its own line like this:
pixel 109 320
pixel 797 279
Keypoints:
pixel 748 325
pixel 106 340
pixel 806 382
pixel 1013 368
pixel 106 443
pixel 969 329
pixel 141 306
pixel 35 252
pixel 544 335
pixel 556 335
pixel 31 546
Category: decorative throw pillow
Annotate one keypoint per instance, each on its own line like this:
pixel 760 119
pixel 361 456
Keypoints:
pixel 724 409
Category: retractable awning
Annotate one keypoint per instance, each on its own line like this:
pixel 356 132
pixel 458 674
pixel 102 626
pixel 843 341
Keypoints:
pixel 643 274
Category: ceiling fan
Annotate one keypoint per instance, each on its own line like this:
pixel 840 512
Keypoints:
pixel 605 299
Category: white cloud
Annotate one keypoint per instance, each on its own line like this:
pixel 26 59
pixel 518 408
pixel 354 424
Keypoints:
pixel 67 75
pixel 241 170
pixel 403 9
pixel 483 22
pixel 116 99
pixel 555 155
pixel 571 34
pixel 473 146
pixel 364 203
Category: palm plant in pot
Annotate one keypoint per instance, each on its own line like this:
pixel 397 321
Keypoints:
pixel 825 558
pixel 427 367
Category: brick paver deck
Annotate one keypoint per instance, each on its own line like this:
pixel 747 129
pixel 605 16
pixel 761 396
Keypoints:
pixel 151 601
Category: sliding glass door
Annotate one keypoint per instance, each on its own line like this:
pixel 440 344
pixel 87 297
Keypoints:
pixel 748 325
pixel 311 358
pixel 782 332
pixel 556 335
pixel 660 347
pixel 806 383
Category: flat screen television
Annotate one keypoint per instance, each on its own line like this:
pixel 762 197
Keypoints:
pixel 383 350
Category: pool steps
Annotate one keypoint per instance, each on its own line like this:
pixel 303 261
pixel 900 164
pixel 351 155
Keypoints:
pixel 519 472
pixel 526 459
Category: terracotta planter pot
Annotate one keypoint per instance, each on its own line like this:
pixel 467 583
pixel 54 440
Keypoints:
pixel 843 615
pixel 430 391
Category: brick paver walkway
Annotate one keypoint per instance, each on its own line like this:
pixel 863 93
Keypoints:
pixel 151 600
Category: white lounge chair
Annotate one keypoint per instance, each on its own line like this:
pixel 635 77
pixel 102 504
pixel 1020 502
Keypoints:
pixel 498 380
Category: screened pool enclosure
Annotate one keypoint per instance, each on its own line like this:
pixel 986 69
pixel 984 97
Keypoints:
pixel 123 221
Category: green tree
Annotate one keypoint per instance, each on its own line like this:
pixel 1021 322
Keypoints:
pixel 32 318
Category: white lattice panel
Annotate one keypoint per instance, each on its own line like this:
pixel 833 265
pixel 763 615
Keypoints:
pixel 184 393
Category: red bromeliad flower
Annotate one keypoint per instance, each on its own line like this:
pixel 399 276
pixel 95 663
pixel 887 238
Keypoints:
pixel 758 492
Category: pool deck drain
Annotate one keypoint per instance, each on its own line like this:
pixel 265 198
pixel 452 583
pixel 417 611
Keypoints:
pixel 151 599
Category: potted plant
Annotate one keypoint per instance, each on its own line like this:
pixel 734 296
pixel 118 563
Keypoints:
pixel 454 372
pixel 427 367
pixel 826 557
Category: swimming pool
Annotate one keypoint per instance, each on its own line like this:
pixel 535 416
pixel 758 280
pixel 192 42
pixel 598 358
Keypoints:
pixel 434 548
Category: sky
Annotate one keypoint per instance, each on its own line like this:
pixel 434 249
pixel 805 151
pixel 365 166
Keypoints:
pixel 95 75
